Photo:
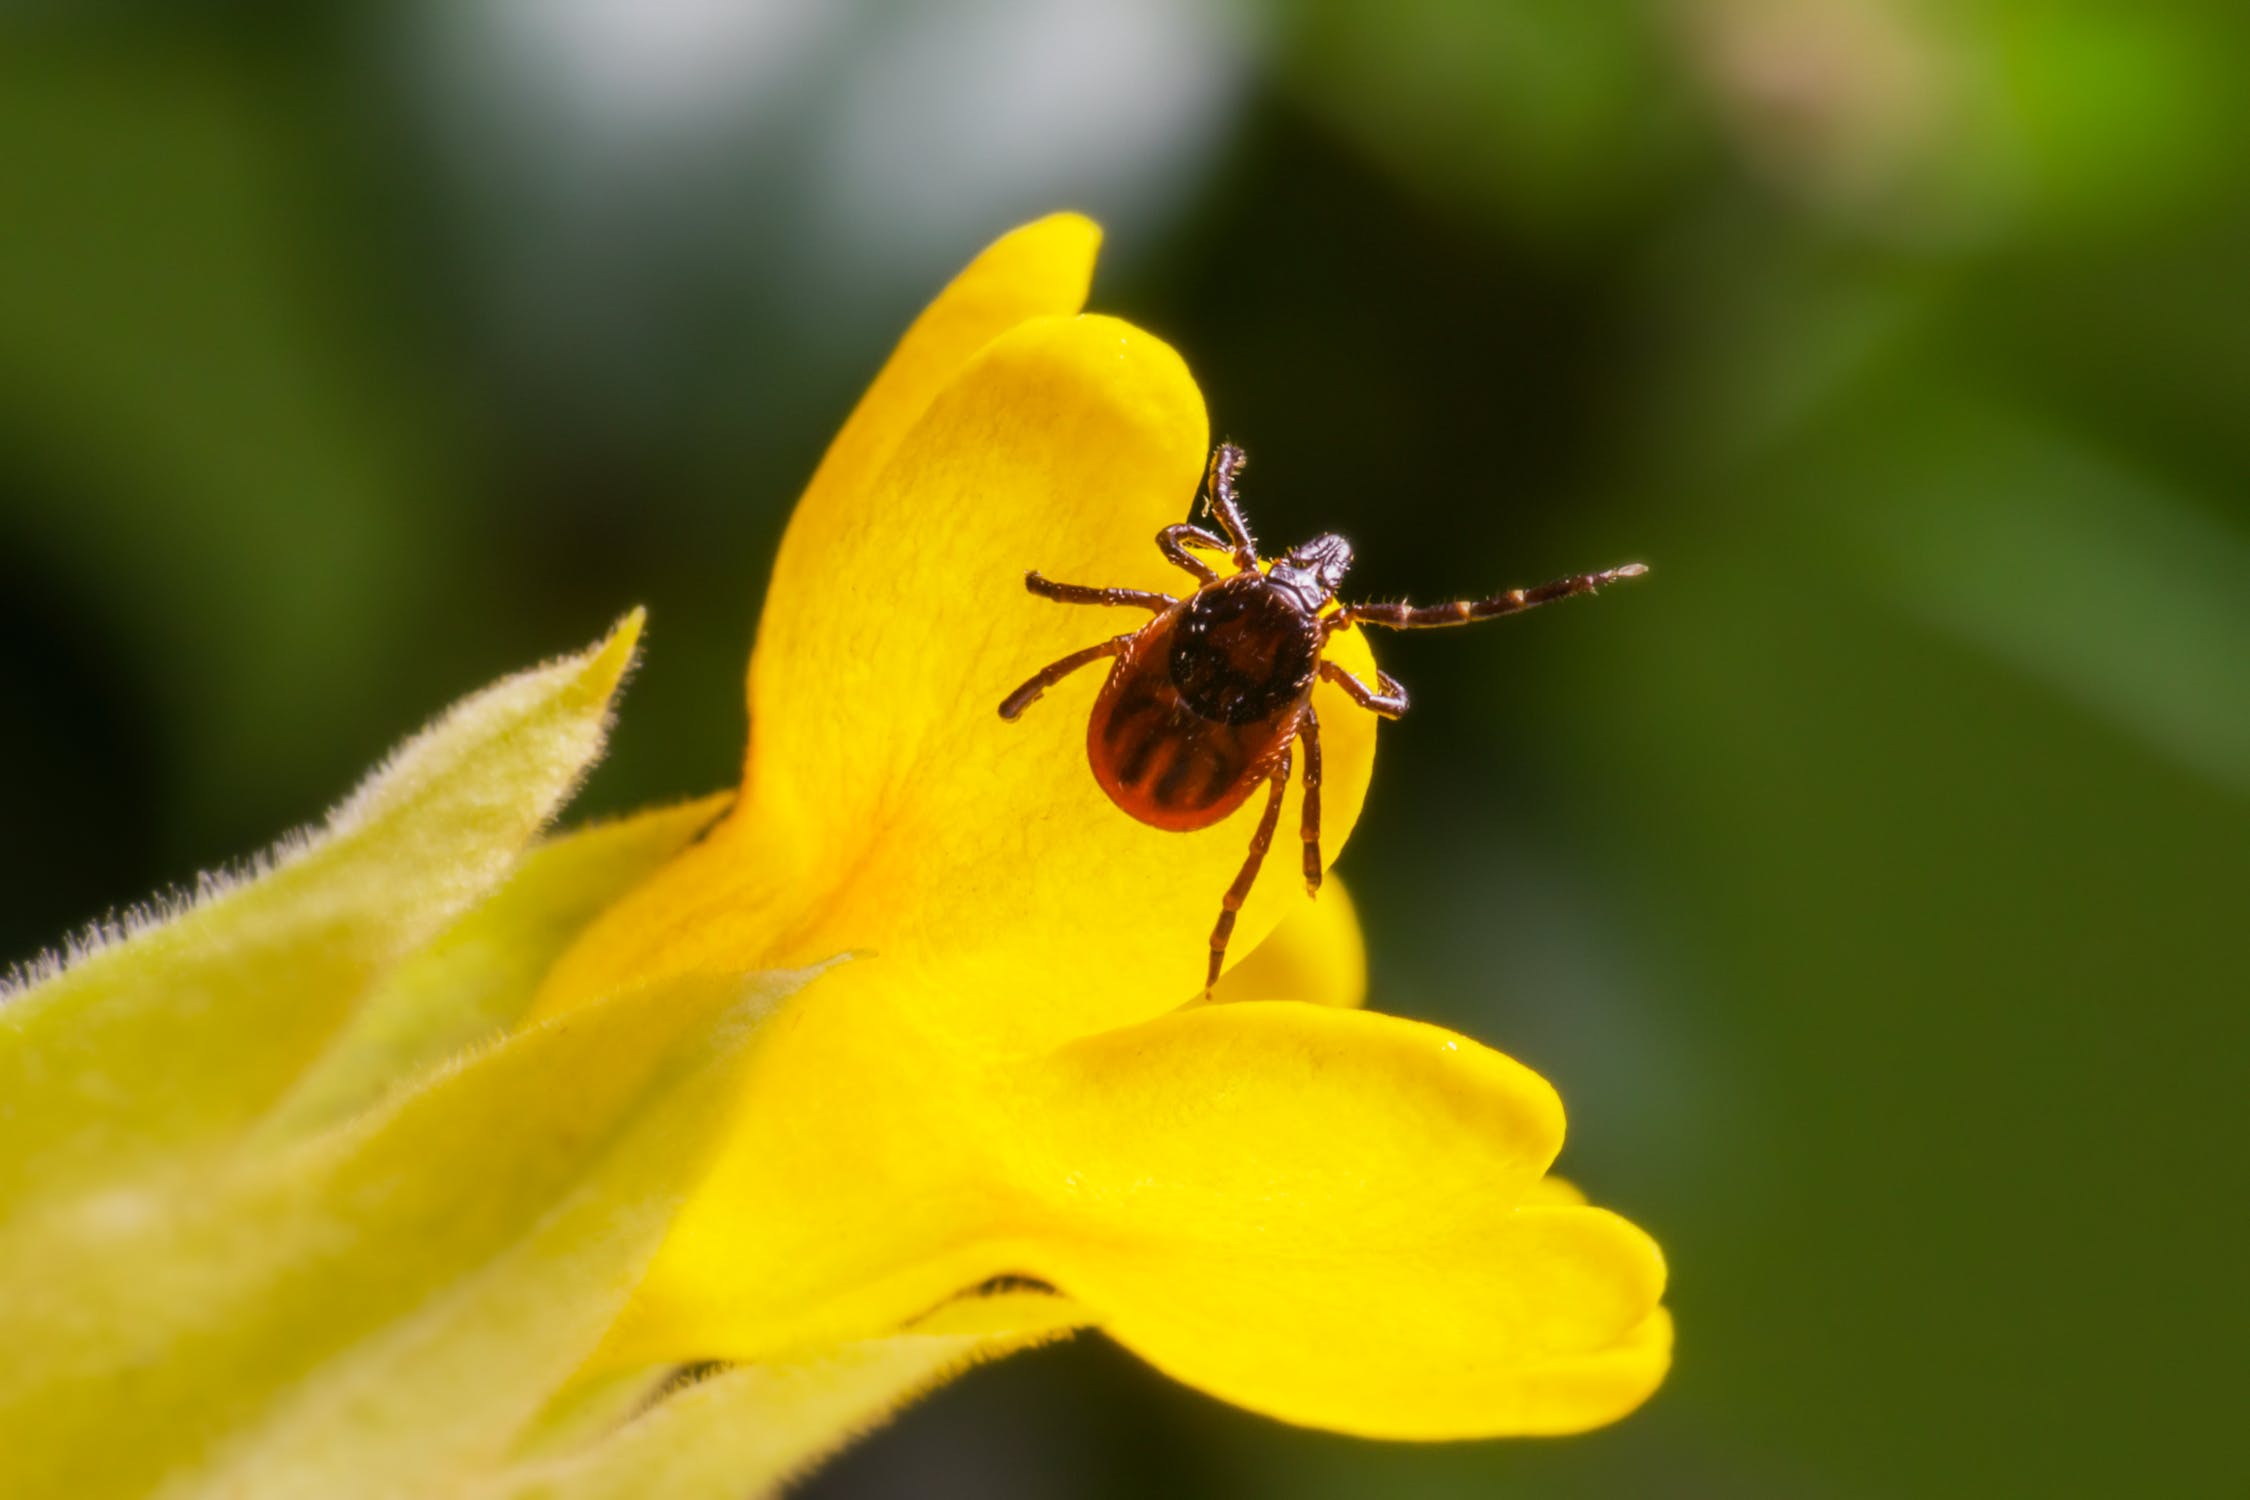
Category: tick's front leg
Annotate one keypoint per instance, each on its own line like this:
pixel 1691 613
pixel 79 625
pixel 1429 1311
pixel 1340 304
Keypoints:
pixel 1173 542
pixel 1078 593
pixel 1218 492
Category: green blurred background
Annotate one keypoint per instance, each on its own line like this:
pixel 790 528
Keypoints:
pixel 1870 880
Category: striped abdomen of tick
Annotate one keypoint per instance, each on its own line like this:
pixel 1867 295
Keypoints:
pixel 1202 703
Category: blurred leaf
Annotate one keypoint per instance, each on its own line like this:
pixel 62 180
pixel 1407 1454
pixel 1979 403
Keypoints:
pixel 1881 415
pixel 2082 575
pixel 1935 778
pixel 1550 115
pixel 2118 114
pixel 220 453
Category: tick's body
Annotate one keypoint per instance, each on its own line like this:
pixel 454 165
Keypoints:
pixel 1204 702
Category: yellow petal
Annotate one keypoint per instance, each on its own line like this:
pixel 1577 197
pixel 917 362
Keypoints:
pixel 890 810
pixel 1326 1125
pixel 1316 955
pixel 1507 1328
pixel 1319 1215
pixel 1333 1217
pixel 1551 1191
pixel 1041 270
pixel 173 1038
pixel 850 1201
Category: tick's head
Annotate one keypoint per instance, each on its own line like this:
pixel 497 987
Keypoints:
pixel 1314 570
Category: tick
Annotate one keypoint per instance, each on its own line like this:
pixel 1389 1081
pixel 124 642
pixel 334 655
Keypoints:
pixel 1208 700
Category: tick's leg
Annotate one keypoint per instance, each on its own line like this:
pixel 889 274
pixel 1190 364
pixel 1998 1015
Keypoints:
pixel 1389 700
pixel 1260 842
pixel 1308 730
pixel 1174 541
pixel 1023 697
pixel 1218 491
pixel 1078 593
pixel 1462 611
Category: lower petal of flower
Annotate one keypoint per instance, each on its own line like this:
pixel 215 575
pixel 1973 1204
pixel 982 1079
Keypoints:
pixel 1337 1219
pixel 1516 1322
pixel 1333 1217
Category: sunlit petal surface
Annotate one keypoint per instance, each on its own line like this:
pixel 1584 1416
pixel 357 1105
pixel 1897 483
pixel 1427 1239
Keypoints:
pixel 1326 1216
pixel 889 810
pixel 1333 1217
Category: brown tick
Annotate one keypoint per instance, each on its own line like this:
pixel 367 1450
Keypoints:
pixel 1204 701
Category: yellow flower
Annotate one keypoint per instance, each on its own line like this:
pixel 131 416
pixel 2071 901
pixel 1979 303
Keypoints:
pixel 420 1159
pixel 1333 1217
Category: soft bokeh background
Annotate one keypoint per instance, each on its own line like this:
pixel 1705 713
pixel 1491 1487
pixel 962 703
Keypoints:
pixel 1871 880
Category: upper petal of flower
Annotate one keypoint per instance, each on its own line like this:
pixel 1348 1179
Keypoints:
pixel 889 810
pixel 1038 271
